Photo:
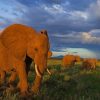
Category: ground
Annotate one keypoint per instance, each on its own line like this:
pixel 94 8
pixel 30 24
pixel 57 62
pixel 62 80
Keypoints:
pixel 66 84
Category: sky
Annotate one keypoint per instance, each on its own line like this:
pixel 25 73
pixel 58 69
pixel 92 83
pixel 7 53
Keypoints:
pixel 73 25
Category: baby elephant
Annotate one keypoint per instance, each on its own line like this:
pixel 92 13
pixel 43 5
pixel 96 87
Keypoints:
pixel 9 63
pixel 89 63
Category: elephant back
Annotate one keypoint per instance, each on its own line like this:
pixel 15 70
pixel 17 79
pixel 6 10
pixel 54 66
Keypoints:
pixel 15 38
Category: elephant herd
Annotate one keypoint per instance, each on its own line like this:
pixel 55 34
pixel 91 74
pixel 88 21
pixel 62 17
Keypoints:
pixel 19 46
pixel 87 63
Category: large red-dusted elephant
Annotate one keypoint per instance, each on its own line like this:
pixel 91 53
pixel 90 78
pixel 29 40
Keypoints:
pixel 26 44
pixel 89 63
pixel 69 60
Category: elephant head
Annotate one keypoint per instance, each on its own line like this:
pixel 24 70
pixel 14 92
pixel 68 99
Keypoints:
pixel 38 50
pixel 77 58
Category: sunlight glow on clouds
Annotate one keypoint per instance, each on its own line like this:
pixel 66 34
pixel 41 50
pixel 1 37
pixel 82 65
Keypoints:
pixel 88 38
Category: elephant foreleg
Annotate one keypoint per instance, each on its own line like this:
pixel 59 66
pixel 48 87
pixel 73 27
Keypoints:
pixel 37 83
pixel 3 77
pixel 22 77
pixel 38 80
pixel 12 78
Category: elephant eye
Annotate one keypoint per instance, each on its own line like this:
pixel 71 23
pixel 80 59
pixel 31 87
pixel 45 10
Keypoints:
pixel 36 49
pixel 41 32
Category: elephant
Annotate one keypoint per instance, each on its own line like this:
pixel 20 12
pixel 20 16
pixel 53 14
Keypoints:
pixel 69 60
pixel 27 45
pixel 78 59
pixel 9 63
pixel 89 63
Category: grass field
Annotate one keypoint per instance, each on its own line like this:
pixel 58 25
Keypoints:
pixel 66 84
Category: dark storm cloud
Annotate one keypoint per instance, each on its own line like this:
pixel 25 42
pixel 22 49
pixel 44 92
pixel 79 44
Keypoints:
pixel 59 22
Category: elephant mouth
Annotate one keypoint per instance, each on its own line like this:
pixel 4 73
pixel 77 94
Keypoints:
pixel 38 72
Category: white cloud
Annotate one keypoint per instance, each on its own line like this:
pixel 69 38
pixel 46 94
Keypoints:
pixel 54 9
pixel 92 37
pixel 90 13
pixel 11 11
pixel 79 14
pixel 94 10
pixel 95 32
pixel 88 38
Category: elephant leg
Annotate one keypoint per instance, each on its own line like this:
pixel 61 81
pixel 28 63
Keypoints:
pixel 3 77
pixel 93 66
pixel 72 64
pixel 36 85
pixel 23 83
pixel 12 78
pixel 28 62
pixel 38 79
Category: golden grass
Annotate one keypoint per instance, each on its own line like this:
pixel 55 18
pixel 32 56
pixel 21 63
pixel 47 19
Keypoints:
pixel 56 61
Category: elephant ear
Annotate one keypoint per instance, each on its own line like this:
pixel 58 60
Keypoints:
pixel 49 54
pixel 44 32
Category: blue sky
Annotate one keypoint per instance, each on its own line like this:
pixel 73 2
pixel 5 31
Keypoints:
pixel 73 25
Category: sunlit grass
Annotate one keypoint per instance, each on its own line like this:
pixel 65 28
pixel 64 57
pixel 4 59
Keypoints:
pixel 66 84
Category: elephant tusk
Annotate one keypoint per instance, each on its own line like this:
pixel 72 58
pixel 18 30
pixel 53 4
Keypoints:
pixel 37 71
pixel 48 71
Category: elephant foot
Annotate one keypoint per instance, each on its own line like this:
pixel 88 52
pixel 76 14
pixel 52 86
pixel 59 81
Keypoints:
pixel 35 90
pixel 11 90
pixel 26 95
pixel 2 83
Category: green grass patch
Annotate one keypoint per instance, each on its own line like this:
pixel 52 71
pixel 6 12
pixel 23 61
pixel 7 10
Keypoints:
pixel 66 84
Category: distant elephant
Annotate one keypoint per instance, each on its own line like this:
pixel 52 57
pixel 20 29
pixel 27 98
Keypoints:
pixel 77 58
pixel 69 60
pixel 26 44
pixel 89 63
pixel 9 63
